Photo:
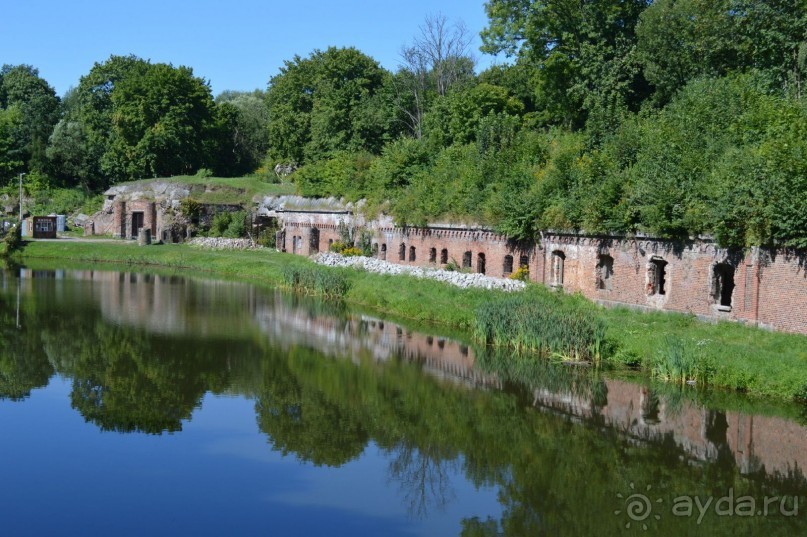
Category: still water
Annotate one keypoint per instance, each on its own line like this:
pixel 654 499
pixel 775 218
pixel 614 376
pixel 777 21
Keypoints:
pixel 137 404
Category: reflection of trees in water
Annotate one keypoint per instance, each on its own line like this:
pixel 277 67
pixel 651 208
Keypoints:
pixel 23 364
pixel 123 382
pixel 553 476
pixel 475 527
pixel 128 380
pixel 311 428
pixel 423 476
pixel 309 422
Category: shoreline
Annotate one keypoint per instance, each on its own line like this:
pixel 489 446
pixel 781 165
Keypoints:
pixel 744 359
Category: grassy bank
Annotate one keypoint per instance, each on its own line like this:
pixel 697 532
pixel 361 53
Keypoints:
pixel 725 355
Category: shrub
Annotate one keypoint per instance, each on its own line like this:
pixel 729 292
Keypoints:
pixel 365 245
pixel 267 238
pixel 237 227
pixel 351 252
pixel 230 225
pixel 338 247
pixel 346 249
pixel 13 240
pixel 190 209
pixel 204 173
pixel 522 274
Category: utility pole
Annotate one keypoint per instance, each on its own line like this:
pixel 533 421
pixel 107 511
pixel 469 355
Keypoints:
pixel 19 284
pixel 20 224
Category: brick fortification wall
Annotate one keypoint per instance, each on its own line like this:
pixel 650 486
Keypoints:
pixel 758 286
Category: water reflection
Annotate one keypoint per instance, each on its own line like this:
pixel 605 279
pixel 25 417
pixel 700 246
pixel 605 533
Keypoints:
pixel 141 351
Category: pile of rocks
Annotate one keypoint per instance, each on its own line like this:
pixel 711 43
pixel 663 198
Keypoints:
pixel 220 243
pixel 460 279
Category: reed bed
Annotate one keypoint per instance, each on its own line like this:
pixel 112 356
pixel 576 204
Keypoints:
pixel 678 362
pixel 316 280
pixel 541 322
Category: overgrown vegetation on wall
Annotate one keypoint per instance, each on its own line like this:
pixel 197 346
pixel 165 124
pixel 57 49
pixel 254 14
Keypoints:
pixel 672 117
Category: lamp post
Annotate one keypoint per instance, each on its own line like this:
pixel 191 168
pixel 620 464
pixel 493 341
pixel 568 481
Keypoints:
pixel 21 200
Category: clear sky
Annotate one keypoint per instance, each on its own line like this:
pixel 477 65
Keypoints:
pixel 236 44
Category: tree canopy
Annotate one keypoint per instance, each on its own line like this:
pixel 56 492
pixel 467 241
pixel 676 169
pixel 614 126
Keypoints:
pixel 674 118
pixel 332 101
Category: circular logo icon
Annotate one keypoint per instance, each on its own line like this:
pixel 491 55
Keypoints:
pixel 638 507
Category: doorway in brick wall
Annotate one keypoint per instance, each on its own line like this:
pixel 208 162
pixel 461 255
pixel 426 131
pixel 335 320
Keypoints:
pixel 137 223
pixel 480 263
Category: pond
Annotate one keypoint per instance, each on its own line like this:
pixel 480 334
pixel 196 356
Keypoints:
pixel 153 404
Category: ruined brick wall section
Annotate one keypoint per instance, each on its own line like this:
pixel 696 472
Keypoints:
pixel 782 300
pixel 118 219
pixel 486 251
pixel 122 217
pixel 307 233
pixel 768 290
pixel 688 273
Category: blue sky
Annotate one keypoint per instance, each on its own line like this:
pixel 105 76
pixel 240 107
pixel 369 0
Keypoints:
pixel 237 45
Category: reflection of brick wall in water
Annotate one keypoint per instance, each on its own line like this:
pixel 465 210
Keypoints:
pixel 758 286
pixel 161 305
pixel 778 445
pixel 774 443
pixel 358 338
pixel 172 305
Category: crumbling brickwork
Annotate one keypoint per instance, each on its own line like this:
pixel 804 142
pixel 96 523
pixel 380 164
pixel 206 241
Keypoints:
pixel 759 287
pixel 129 216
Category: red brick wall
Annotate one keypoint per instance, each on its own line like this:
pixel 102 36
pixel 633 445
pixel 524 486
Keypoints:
pixel 122 220
pixel 783 292
pixel 769 290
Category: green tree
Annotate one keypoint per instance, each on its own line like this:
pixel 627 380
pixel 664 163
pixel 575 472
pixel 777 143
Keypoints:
pixel 344 174
pixel 332 101
pixel 12 157
pixel 774 36
pixel 31 110
pixel 434 63
pixel 683 39
pixel 248 127
pixel 583 53
pixel 457 117
pixel 68 152
pixel 160 123
pixel 680 40
pixel 95 111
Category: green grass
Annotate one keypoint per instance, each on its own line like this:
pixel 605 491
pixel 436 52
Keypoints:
pixel 726 354
pixel 225 190
pixel 733 356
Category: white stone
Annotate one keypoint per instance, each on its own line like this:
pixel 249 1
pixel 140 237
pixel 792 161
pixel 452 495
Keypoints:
pixel 459 279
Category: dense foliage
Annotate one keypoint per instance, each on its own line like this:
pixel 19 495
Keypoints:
pixel 669 117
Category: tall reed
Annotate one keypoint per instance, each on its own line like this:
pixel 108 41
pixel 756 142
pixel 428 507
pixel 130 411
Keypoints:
pixel 678 362
pixel 541 322
pixel 316 280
